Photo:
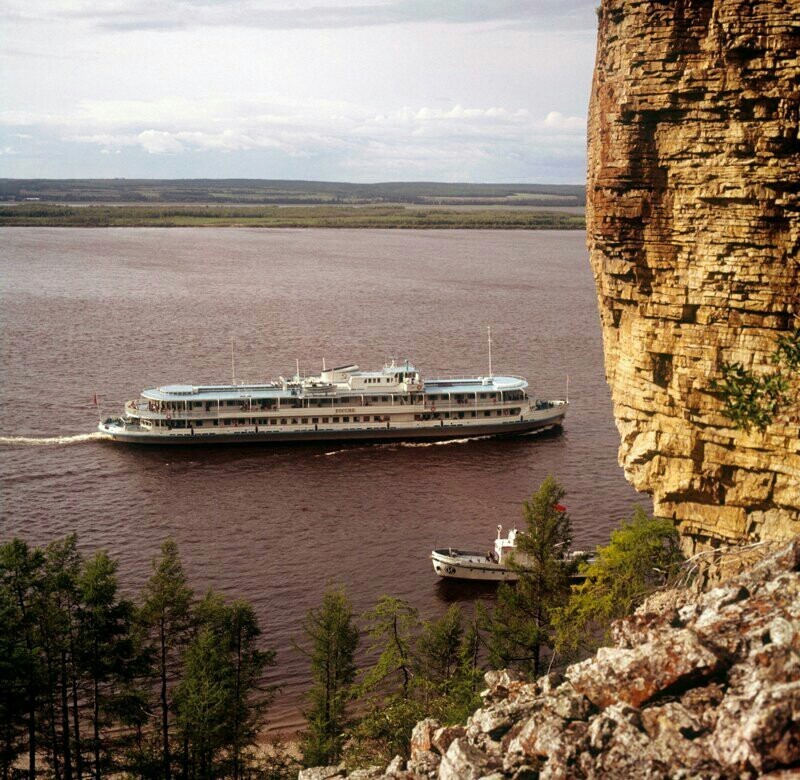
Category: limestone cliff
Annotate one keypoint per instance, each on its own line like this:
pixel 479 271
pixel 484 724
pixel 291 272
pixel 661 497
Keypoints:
pixel 694 233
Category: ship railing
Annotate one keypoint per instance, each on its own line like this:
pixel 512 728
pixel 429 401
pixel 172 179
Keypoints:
pixel 380 407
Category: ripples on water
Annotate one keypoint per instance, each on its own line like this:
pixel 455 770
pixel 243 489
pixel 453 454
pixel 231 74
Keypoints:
pixel 116 310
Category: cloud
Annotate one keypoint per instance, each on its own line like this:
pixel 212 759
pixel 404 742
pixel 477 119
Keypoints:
pixel 455 142
pixel 557 121
pixel 159 142
pixel 307 14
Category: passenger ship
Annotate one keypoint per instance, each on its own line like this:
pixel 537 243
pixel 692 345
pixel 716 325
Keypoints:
pixel 341 403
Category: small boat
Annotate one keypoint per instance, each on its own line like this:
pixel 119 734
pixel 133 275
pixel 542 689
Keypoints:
pixel 491 566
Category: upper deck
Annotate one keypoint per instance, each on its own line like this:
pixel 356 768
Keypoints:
pixel 342 381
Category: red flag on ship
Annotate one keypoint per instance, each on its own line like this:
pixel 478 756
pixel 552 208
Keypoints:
pixel 94 400
pixel 559 508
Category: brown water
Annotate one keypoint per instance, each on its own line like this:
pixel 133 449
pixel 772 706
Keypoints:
pixel 113 311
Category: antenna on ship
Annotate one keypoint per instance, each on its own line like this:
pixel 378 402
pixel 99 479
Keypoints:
pixel 297 363
pixel 233 365
pixel 567 398
pixel 323 364
pixel 489 328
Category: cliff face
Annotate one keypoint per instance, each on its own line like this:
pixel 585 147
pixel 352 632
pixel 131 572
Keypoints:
pixel 694 234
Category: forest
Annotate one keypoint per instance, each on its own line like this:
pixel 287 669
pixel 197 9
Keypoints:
pixel 173 685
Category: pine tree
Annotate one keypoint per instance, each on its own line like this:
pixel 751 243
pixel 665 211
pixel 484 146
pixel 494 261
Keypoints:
pixel 108 649
pixel 390 625
pixel 333 639
pixel 167 617
pixel 21 571
pixel 520 626
pixel 220 702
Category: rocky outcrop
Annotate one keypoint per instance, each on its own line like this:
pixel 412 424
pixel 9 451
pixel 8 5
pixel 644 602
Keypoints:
pixel 694 686
pixel 694 232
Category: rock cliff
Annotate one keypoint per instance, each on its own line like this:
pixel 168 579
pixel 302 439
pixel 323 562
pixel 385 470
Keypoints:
pixel 694 686
pixel 694 234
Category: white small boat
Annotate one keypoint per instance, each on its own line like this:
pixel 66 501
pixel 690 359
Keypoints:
pixel 491 566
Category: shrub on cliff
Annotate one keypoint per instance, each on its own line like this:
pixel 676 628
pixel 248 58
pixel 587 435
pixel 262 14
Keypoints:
pixel 640 557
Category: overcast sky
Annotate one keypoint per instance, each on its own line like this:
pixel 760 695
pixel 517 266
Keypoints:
pixel 347 90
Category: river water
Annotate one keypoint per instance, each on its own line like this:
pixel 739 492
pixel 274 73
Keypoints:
pixel 112 311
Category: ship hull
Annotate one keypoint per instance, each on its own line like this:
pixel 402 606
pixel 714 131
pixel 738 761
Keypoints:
pixel 381 433
pixel 458 565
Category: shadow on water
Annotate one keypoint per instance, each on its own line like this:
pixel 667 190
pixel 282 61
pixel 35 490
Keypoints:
pixel 458 591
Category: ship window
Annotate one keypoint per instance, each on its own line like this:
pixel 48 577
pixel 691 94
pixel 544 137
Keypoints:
pixel 273 422
pixel 335 419
pixel 216 422
pixel 376 418
pixel 315 420
pixel 199 423
pixel 324 419
pixel 345 419
pixel 487 414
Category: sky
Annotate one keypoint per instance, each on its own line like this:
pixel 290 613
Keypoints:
pixel 333 90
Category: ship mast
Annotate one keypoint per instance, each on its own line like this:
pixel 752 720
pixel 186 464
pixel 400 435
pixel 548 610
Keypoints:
pixel 233 365
pixel 489 328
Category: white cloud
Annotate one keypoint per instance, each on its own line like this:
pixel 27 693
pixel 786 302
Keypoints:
pixel 557 121
pixel 158 142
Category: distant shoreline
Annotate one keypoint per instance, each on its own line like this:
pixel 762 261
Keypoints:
pixel 385 216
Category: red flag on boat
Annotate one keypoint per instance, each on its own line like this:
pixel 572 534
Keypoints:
pixel 94 400
pixel 559 508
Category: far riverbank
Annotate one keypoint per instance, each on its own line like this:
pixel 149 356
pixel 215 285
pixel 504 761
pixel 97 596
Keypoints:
pixel 323 216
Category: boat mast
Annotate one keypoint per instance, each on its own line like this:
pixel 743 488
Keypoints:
pixel 233 365
pixel 489 328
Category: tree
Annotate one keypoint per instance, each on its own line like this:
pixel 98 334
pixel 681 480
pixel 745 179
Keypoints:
pixel 166 615
pixel 21 570
pixel 640 557
pixel 108 649
pixel 390 625
pixel 220 703
pixel 439 646
pixel 14 670
pixel 334 640
pixel 520 626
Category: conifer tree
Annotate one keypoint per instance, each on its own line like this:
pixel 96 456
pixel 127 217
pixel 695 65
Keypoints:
pixel 391 625
pixel 108 649
pixel 167 617
pixel 21 571
pixel 333 640
pixel 520 626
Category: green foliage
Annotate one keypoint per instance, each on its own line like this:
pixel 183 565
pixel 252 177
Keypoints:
pixel 641 556
pixel 787 352
pixel 166 616
pixel 333 638
pixel 75 674
pixel 443 680
pixel 220 702
pixel 753 400
pixel 390 626
pixel 520 627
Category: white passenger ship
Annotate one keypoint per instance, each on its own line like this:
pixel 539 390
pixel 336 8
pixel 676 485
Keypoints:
pixel 341 403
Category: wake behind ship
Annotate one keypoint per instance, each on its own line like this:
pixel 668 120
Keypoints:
pixel 339 404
